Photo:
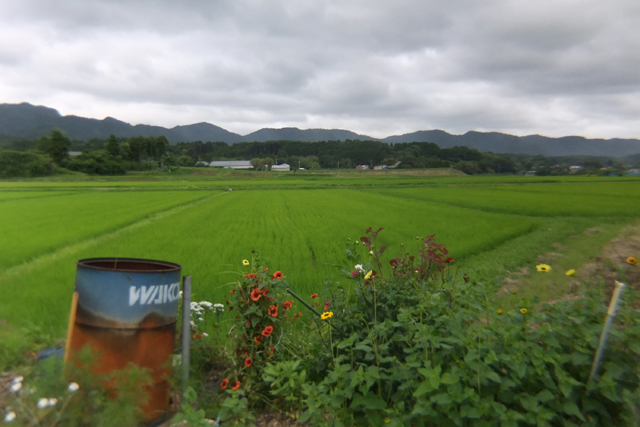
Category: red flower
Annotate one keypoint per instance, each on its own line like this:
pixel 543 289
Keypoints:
pixel 267 331
pixel 248 361
pixel 326 305
pixel 232 292
pixel 273 310
pixel 314 296
pixel 251 276
pixel 236 386
pixel 298 315
pixel 287 305
pixel 277 275
pixel 448 259
pixel 224 383
pixel 270 350
pixel 265 292
pixel 258 339
pixel 256 294
pixel 196 336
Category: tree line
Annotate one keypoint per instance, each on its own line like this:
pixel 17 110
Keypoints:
pixel 115 156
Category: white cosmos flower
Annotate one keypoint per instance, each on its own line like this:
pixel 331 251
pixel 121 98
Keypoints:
pixel 53 401
pixel 16 387
pixel 73 387
pixel 43 403
pixel 9 417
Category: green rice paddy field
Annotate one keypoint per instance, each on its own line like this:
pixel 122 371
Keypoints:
pixel 300 222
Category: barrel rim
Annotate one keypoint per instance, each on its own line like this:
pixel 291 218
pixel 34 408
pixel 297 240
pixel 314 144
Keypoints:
pixel 164 266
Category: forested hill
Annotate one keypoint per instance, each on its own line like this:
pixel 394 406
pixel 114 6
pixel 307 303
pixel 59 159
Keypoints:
pixel 29 121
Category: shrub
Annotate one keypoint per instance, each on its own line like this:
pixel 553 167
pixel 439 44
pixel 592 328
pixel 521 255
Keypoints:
pixel 14 164
pixel 97 163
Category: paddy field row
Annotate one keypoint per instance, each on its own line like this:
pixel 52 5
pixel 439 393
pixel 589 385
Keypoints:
pixel 302 231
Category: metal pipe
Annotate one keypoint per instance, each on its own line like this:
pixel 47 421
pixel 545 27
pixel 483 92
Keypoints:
pixel 303 302
pixel 611 314
pixel 186 330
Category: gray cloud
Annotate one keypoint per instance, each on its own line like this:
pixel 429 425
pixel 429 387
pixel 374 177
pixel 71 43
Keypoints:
pixel 375 67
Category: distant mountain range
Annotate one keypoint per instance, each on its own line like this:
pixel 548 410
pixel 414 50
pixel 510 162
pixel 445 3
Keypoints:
pixel 29 121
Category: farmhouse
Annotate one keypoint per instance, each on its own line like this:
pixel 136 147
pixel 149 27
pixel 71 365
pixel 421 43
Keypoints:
pixel 284 167
pixel 231 164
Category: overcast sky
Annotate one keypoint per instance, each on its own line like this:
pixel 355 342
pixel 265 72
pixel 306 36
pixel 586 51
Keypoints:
pixel 550 67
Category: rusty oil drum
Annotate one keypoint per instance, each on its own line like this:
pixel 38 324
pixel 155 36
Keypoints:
pixel 127 312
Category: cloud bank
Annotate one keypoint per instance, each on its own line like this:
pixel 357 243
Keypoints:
pixel 374 67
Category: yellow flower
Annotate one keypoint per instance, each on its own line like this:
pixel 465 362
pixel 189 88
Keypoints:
pixel 500 311
pixel 523 310
pixel 544 268
pixel 368 275
pixel 513 291
pixel 245 262
pixel 571 272
pixel 370 252
pixel 326 315
pixel 631 260
pixel 387 420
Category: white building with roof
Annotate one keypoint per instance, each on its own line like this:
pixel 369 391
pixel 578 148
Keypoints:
pixel 231 164
pixel 284 167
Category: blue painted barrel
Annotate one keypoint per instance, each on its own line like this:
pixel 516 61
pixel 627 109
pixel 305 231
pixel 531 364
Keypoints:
pixel 127 312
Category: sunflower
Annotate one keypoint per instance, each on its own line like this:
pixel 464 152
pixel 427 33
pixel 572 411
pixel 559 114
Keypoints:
pixel 523 310
pixel 326 315
pixel 543 268
pixel 256 294
pixel 267 331
pixel 632 260
pixel 245 262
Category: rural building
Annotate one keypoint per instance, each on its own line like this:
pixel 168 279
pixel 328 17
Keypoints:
pixel 380 167
pixel 284 167
pixel 362 167
pixel 231 164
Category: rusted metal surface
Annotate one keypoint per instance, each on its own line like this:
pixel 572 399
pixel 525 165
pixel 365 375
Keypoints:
pixel 127 312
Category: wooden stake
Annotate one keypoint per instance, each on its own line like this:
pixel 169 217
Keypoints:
pixel 72 322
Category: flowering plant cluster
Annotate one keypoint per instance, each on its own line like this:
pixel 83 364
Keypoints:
pixel 426 347
pixel 263 314
pixel 199 316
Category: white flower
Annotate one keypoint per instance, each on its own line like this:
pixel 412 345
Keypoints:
pixel 16 387
pixel 53 401
pixel 359 267
pixel 193 324
pixel 17 380
pixel 9 417
pixel 206 304
pixel 218 307
pixel 200 319
pixel 204 334
pixel 43 403
pixel 73 387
